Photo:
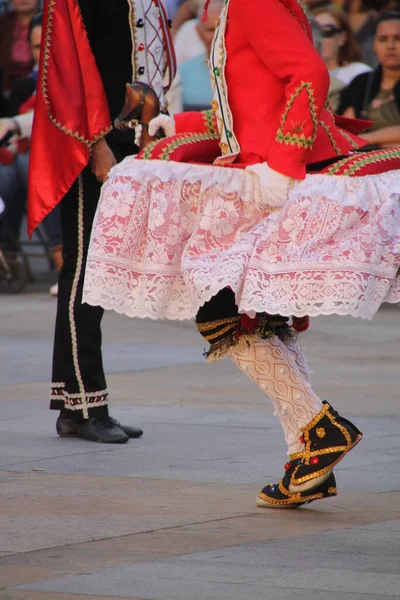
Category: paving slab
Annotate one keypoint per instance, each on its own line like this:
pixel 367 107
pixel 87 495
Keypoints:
pixel 227 573
pixel 172 516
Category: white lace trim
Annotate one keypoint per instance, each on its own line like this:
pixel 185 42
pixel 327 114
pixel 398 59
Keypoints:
pixel 168 236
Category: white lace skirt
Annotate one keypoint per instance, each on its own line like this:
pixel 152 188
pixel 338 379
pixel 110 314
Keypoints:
pixel 168 236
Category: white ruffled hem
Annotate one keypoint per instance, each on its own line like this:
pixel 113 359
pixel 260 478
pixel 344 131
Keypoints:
pixel 168 236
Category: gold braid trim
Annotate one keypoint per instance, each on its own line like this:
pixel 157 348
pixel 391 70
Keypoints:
pixel 188 138
pixel 132 23
pixel 294 498
pixel 301 141
pixel 209 325
pixel 364 159
pixel 325 470
pixel 208 118
pixel 212 336
pixel 348 138
pixel 331 138
pixel 46 55
pixel 307 454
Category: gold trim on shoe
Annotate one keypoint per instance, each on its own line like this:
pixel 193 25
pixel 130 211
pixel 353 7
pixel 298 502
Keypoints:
pixel 324 471
pixel 314 479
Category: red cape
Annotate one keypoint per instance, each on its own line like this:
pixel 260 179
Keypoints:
pixel 71 110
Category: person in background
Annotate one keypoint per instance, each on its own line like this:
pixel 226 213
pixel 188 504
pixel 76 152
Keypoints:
pixel 186 10
pixel 15 54
pixel 187 41
pixel 376 95
pixel 14 176
pixel 313 5
pixel 3 6
pixel 362 16
pixel 191 89
pixel 339 51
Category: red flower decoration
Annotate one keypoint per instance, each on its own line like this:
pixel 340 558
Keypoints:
pixel 301 323
pixel 248 323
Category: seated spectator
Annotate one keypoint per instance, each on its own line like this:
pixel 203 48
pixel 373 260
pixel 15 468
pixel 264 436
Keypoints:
pixel 376 95
pixel 313 5
pixel 15 57
pixel 187 41
pixel 362 16
pixel 339 51
pixel 186 10
pixel 14 159
pixel 191 89
pixel 3 6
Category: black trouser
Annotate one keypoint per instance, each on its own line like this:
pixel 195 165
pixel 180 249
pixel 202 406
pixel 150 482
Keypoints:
pixel 78 380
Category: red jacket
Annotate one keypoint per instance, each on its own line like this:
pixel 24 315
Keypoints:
pixel 277 90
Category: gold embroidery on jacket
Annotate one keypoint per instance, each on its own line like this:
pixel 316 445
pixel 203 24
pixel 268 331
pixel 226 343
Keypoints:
pixel 46 55
pixel 292 137
pixel 210 121
pixel 325 127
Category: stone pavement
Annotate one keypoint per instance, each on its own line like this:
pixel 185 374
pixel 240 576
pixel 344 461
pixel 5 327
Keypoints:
pixel 172 516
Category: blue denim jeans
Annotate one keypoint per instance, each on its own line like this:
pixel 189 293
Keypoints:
pixel 13 190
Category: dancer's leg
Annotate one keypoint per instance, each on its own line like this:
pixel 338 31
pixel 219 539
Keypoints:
pixel 281 371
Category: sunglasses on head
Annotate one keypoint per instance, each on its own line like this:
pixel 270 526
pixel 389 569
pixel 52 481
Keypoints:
pixel 329 31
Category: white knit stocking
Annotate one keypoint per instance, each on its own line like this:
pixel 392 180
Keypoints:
pixel 281 371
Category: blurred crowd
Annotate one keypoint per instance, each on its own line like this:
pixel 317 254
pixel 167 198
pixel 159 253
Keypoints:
pixel 359 41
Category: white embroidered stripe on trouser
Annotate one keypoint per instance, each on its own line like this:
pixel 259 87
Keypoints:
pixel 281 371
pixel 71 307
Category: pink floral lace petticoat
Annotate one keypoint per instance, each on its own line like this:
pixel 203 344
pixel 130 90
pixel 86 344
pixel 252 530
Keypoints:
pixel 168 236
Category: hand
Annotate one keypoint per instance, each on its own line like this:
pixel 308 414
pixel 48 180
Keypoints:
pixel 164 122
pixel 276 186
pixel 102 160
pixel 8 126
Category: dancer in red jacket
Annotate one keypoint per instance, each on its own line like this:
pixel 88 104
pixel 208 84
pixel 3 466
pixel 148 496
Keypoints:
pixel 266 232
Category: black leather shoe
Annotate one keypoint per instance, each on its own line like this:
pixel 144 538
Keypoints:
pixel 131 432
pixel 94 430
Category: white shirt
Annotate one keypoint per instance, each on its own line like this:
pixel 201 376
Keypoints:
pixel 187 42
pixel 347 73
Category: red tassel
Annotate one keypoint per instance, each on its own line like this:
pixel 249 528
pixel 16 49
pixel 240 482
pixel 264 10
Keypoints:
pixel 301 323
pixel 204 17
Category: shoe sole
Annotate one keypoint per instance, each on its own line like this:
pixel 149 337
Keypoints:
pixel 263 504
pixel 75 435
pixel 317 481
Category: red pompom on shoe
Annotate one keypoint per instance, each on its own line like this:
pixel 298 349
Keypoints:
pixel 248 323
pixel 301 324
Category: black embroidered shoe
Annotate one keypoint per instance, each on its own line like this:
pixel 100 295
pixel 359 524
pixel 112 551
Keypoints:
pixel 327 439
pixel 277 495
pixel 67 426
pixel 131 432
pixel 102 430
